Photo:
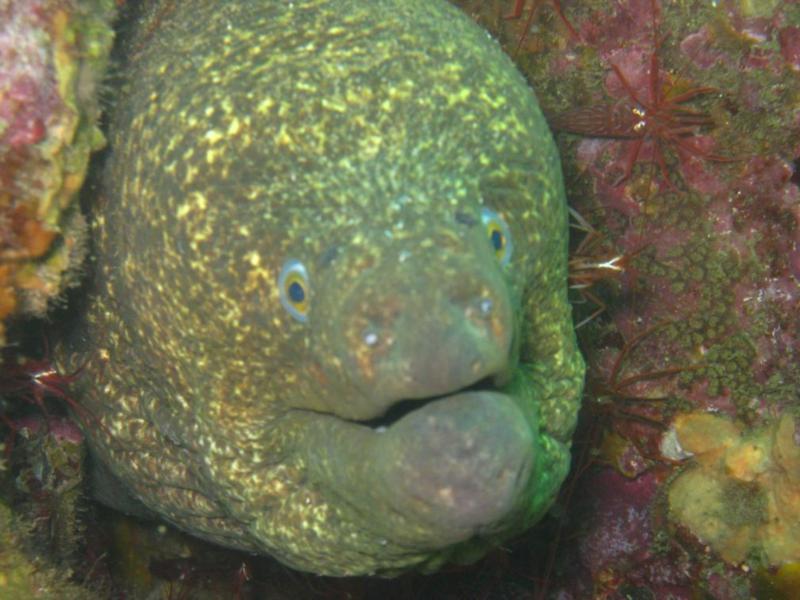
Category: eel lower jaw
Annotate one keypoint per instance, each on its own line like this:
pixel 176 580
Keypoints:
pixel 431 472
pixel 460 465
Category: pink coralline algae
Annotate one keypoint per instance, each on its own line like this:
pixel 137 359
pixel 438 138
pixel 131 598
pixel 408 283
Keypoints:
pixel 646 111
pixel 789 38
pixel 621 517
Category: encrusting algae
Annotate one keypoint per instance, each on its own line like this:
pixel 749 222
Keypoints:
pixel 52 57
pixel 683 162
pixel 41 528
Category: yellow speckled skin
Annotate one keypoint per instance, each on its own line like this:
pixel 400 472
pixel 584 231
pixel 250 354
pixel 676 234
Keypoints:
pixel 365 139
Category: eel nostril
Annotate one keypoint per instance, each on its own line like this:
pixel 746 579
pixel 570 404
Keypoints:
pixel 480 309
pixel 370 337
pixel 485 306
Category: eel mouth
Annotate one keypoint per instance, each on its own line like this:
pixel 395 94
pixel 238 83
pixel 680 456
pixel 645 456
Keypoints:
pixel 403 407
pixel 451 466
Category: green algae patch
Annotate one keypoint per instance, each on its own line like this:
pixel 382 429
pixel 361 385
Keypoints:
pixel 26 576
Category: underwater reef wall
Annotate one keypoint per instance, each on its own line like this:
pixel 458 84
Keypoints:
pixel 679 129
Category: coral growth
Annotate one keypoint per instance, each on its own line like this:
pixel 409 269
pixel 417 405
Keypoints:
pixel 48 477
pixel 23 576
pixel 53 55
pixel 41 540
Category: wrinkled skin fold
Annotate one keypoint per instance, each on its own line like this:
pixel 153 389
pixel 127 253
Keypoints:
pixel 411 399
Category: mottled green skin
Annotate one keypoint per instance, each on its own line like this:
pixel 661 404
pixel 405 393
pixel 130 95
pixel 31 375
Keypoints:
pixel 362 138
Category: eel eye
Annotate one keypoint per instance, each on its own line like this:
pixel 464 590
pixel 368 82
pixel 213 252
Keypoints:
pixel 295 289
pixel 499 235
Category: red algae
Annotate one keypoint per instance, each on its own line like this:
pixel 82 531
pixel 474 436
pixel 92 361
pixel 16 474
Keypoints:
pixel 789 38
pixel 718 279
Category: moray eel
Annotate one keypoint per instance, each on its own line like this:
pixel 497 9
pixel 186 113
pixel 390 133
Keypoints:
pixel 329 318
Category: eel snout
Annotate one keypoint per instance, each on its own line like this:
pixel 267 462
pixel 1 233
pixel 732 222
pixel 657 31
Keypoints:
pixel 421 433
pixel 403 331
